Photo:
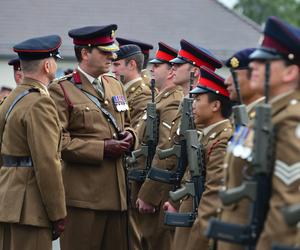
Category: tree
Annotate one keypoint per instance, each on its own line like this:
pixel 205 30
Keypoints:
pixel 259 10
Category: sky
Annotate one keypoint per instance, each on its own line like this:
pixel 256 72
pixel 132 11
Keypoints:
pixel 228 3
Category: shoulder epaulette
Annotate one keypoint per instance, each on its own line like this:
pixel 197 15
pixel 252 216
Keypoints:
pixel 62 78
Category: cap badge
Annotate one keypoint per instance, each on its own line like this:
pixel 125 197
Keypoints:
pixel 234 62
pixel 113 34
pixel 291 56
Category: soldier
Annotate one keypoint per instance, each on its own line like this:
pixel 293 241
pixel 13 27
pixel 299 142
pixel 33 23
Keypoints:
pixel 211 109
pixel 91 106
pixel 32 207
pixel 18 75
pixel 238 212
pixel 281 49
pixel 145 48
pixel 151 195
pixel 129 64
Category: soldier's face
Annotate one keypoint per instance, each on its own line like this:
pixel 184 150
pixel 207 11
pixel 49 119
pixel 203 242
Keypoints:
pixel 119 68
pixel 160 73
pixel 203 110
pixel 277 69
pixel 243 78
pixel 181 73
pixel 18 75
pixel 99 61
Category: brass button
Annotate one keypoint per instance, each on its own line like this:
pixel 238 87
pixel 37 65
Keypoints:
pixel 132 89
pixel 87 108
pixel 106 102
pixel 169 138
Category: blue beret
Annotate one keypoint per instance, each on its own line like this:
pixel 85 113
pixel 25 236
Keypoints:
pixel 281 40
pixel 39 48
pixel 127 51
pixel 102 37
pixel 145 47
pixel 240 59
pixel 164 54
pixel 190 53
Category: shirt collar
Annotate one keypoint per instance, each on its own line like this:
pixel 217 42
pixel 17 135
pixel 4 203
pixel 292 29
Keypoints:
pixel 130 83
pixel 89 77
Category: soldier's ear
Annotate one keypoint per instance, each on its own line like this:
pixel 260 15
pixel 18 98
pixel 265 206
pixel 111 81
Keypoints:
pixel 84 54
pixel 46 65
pixel 291 73
pixel 196 72
pixel 216 105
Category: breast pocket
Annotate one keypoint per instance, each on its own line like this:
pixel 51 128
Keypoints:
pixel 83 117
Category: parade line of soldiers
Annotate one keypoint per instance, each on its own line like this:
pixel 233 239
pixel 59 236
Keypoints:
pixel 185 161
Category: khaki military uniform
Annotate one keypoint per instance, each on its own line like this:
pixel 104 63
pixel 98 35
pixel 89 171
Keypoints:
pixel 285 180
pixel 32 196
pixel 237 213
pixel 155 234
pixel 95 185
pixel 214 141
pixel 138 95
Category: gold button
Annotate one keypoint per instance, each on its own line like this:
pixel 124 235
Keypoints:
pixel 87 108
pixel 114 135
pixel 105 102
pixel 132 89
pixel 169 138
pixel 173 123
pixel 219 210
pixel 143 84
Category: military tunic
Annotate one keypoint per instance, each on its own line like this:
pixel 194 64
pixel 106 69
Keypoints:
pixel 155 234
pixel 214 141
pixel 285 180
pixel 237 213
pixel 29 198
pixel 95 185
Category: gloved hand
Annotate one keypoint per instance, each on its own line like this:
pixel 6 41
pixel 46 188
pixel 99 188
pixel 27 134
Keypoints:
pixel 126 136
pixel 57 228
pixel 115 148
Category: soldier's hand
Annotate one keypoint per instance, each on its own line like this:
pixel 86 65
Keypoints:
pixel 168 207
pixel 57 228
pixel 127 136
pixel 115 148
pixel 144 208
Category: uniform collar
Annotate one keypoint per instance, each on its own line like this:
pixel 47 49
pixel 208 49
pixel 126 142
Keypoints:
pixel 165 92
pixel 88 76
pixel 35 83
pixel 209 129
pixel 129 84
pixel 253 104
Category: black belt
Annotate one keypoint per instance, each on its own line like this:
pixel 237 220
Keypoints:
pixel 16 161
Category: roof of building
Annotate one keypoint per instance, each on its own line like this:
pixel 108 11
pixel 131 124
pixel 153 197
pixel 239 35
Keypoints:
pixel 206 23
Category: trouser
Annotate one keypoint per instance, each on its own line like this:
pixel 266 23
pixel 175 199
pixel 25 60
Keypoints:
pixel 134 229
pixel 88 229
pixel 24 237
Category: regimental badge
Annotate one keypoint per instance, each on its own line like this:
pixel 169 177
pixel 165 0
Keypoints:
pixel 120 103
pixel 234 62
pixel 113 34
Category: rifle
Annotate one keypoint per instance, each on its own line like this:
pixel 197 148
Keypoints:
pixel 279 247
pixel 257 189
pixel 239 111
pixel 179 148
pixel 147 149
pixel 194 187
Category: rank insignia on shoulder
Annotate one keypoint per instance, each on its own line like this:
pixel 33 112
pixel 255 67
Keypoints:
pixel 120 103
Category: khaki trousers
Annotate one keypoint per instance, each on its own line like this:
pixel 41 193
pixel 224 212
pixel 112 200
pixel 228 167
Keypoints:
pixel 23 237
pixel 88 229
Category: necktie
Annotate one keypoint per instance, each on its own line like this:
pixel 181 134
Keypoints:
pixel 98 86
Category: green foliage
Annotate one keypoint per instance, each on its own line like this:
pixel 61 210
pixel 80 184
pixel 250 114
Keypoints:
pixel 259 10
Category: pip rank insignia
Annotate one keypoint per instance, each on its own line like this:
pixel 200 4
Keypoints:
pixel 120 103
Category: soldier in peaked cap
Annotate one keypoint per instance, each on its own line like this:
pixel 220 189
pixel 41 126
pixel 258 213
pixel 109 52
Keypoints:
pixel 281 49
pixel 152 194
pixel 129 63
pixel 32 208
pixel 18 75
pixel 145 48
pixel 211 110
pixel 92 106
pixel 238 213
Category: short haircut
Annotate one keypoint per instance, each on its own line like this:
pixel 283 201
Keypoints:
pixel 78 49
pixel 226 104
pixel 29 66
pixel 139 60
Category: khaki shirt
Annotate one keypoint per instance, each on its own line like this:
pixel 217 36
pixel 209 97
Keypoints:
pixel 91 180
pixel 31 195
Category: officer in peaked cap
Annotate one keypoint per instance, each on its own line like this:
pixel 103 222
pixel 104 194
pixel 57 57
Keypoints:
pixel 129 64
pixel 239 65
pixel 92 106
pixel 211 110
pixel 32 208
pixel 152 194
pixel 145 47
pixel 280 48
pixel 18 75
